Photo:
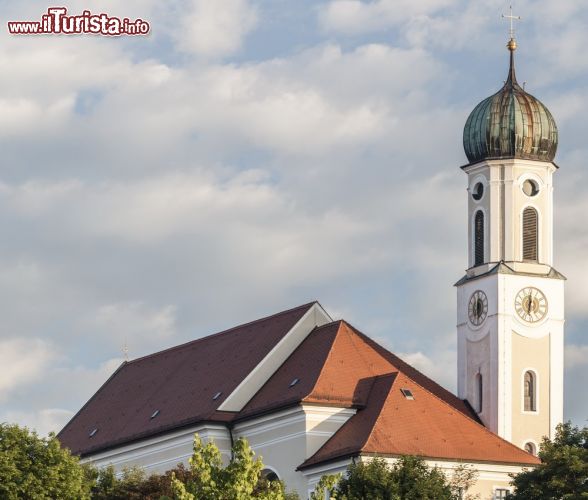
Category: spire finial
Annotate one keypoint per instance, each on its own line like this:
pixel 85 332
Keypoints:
pixel 512 43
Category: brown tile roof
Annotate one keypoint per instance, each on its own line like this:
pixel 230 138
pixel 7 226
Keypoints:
pixel 179 382
pixel 392 425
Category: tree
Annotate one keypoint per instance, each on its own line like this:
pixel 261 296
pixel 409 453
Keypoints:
pixel 563 472
pixel 38 468
pixel 463 478
pixel 239 480
pixel 327 484
pixel 134 484
pixel 408 479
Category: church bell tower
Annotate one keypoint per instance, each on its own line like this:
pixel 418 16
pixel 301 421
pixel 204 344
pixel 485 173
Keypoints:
pixel 510 303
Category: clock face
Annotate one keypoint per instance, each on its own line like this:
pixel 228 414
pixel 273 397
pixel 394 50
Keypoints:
pixel 478 308
pixel 531 304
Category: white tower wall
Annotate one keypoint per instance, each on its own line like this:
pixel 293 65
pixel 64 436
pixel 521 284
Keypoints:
pixel 505 346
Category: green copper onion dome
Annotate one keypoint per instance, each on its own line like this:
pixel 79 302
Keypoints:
pixel 510 124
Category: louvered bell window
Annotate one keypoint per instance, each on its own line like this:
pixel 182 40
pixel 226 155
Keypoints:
pixel 479 238
pixel 530 234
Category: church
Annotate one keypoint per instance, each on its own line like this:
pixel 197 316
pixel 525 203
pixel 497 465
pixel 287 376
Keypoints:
pixel 311 394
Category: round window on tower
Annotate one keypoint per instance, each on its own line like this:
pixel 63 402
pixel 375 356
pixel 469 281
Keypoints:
pixel 478 191
pixel 530 188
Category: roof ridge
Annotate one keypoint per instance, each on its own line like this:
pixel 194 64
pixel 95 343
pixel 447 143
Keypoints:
pixel 349 326
pixel 222 332
pixel 320 374
pixel 394 377
pixel 376 346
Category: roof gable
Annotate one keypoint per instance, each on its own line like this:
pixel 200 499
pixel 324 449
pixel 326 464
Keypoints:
pixel 180 382
pixel 426 426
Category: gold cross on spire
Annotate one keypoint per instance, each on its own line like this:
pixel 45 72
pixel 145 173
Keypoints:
pixel 512 19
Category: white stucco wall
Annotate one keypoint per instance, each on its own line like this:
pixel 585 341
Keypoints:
pixel 504 346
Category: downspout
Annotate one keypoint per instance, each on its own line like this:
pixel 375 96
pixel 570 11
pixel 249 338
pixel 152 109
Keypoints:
pixel 230 427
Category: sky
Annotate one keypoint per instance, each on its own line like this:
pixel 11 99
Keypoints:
pixel 249 156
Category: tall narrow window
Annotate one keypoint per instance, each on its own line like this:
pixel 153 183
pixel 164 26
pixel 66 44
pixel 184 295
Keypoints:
pixel 479 238
pixel 530 392
pixel 530 233
pixel 479 392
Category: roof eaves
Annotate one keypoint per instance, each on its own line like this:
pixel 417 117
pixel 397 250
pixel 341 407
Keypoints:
pixel 532 462
pixel 120 367
pixel 148 434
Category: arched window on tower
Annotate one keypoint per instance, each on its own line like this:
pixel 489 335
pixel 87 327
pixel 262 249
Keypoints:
pixel 530 388
pixel 479 388
pixel 530 234
pixel 479 238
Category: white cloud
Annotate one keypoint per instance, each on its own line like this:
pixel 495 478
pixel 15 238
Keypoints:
pixel 161 197
pixel 43 421
pixel 576 356
pixel 217 28
pixel 355 16
pixel 136 323
pixel 441 368
pixel 23 361
pixel 68 386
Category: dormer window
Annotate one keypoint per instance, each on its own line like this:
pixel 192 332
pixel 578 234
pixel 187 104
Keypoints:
pixel 407 393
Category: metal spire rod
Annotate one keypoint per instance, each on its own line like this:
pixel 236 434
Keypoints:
pixel 512 20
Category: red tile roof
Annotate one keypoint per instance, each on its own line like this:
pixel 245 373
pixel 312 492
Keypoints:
pixel 179 382
pixel 338 365
pixel 331 363
pixel 392 425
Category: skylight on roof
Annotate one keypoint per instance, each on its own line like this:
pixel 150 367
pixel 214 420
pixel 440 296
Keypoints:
pixel 294 382
pixel 93 432
pixel 216 396
pixel 155 413
pixel 407 393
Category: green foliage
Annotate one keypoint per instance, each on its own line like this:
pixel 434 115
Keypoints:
pixel 463 478
pixel 134 484
pixel 563 473
pixel 38 468
pixel 239 480
pixel 327 484
pixel 416 481
pixel 408 479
